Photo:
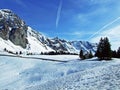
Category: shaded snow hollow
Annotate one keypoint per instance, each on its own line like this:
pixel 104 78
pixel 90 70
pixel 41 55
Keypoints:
pixel 34 74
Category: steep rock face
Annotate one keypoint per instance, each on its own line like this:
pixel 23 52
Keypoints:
pixel 56 44
pixel 61 45
pixel 18 37
pixel 13 28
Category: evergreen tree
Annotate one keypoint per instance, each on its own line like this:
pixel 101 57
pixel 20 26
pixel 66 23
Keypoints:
pixel 99 53
pixel 85 55
pixel 90 54
pixel 20 52
pixel 81 54
pixel 118 53
pixel 114 54
pixel 104 49
pixel 107 49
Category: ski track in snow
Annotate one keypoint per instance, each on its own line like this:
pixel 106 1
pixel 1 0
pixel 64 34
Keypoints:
pixel 23 74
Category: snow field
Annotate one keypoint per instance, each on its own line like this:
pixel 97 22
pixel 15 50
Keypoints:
pixel 34 74
pixel 106 77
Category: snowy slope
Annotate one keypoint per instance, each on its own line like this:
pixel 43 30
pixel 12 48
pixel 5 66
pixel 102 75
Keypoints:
pixel 35 74
pixel 9 46
pixel 34 43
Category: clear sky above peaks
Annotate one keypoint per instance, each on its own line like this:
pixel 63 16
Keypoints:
pixel 67 19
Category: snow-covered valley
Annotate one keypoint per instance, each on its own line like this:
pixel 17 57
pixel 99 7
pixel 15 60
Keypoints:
pixel 18 73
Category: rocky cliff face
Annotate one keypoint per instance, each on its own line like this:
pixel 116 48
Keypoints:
pixel 13 28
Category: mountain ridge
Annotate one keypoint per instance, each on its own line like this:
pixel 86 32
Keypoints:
pixel 15 36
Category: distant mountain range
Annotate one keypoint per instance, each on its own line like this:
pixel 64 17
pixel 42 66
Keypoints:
pixel 16 35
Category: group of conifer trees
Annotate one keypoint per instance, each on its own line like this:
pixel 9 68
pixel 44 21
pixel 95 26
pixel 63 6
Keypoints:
pixel 103 52
pixel 85 55
pixel 104 49
pixel 116 54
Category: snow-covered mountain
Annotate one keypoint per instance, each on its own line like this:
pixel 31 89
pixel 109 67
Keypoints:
pixel 16 35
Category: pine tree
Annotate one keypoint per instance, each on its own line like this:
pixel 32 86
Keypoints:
pixel 114 54
pixel 107 49
pixel 99 51
pixel 81 54
pixel 90 54
pixel 104 49
pixel 118 53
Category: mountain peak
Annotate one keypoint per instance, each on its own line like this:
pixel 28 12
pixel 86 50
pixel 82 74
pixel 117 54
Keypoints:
pixel 6 13
pixel 6 10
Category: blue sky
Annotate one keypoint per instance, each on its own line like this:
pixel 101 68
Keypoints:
pixel 67 19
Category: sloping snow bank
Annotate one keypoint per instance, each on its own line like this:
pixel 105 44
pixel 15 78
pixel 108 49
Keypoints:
pixel 9 46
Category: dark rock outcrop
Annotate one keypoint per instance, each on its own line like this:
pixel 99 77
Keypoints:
pixel 13 28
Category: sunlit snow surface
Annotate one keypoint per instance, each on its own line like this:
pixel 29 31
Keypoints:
pixel 35 74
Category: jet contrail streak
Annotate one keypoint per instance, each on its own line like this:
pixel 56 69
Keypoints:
pixel 58 13
pixel 104 27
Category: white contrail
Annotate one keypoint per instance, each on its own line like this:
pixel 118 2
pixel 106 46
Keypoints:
pixel 104 27
pixel 58 13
